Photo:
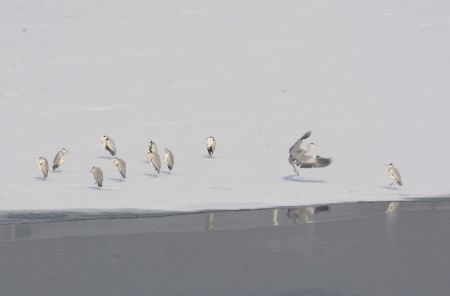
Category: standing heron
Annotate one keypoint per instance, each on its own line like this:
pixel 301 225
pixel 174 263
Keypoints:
pixel 211 145
pixel 168 158
pixel 394 174
pixel 97 174
pixel 109 145
pixel 299 157
pixel 155 160
pixel 59 158
pixel 42 164
pixel 120 165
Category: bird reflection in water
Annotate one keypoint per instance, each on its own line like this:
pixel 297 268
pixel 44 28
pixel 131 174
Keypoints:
pixel 304 214
pixel 210 222
pixel 392 207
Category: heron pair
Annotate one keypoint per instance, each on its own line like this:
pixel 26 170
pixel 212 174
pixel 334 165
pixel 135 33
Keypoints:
pixel 57 162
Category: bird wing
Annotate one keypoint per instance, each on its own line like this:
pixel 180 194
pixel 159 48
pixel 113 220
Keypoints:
pixel 312 161
pixel 297 145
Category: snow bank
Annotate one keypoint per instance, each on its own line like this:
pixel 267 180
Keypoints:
pixel 369 79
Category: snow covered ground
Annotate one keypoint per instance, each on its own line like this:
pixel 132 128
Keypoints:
pixel 370 79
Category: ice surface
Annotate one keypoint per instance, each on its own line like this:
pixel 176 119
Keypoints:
pixel 370 79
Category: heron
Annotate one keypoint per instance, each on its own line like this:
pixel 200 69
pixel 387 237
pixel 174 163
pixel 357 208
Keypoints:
pixel 168 158
pixel 394 174
pixel 155 160
pixel 109 145
pixel 211 145
pixel 120 165
pixel 299 157
pixel 59 158
pixel 43 166
pixel 97 174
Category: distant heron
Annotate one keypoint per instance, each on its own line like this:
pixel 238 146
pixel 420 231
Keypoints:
pixel 98 175
pixel 43 166
pixel 211 145
pixel 59 158
pixel 168 158
pixel 120 165
pixel 299 157
pixel 155 160
pixel 394 174
pixel 109 145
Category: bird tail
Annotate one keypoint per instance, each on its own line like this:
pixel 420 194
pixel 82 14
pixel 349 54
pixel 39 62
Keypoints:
pixel 400 182
pixel 100 184
pixel 54 167
pixel 170 167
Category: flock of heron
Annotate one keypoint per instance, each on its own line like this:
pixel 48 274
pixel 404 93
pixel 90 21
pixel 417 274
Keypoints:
pixel 299 158
pixel 109 145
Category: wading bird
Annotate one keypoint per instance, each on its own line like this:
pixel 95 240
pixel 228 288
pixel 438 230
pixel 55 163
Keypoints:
pixel 168 158
pixel 97 174
pixel 120 165
pixel 109 145
pixel 211 145
pixel 300 158
pixel 394 174
pixel 155 160
pixel 43 166
pixel 59 158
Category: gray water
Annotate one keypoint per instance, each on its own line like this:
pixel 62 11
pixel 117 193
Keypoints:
pixel 348 249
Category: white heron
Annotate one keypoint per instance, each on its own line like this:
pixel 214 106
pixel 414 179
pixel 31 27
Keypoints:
pixel 109 145
pixel 155 160
pixel 394 174
pixel 42 164
pixel 97 174
pixel 211 145
pixel 120 165
pixel 59 158
pixel 168 158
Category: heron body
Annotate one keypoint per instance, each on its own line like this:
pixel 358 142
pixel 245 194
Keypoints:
pixel 120 165
pixel 43 166
pixel 109 145
pixel 300 158
pixel 152 147
pixel 168 158
pixel 155 160
pixel 59 158
pixel 211 145
pixel 97 174
pixel 394 174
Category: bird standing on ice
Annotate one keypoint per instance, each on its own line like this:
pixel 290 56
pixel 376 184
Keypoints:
pixel 168 158
pixel 43 166
pixel 59 158
pixel 109 145
pixel 155 160
pixel 97 174
pixel 394 174
pixel 211 145
pixel 120 165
